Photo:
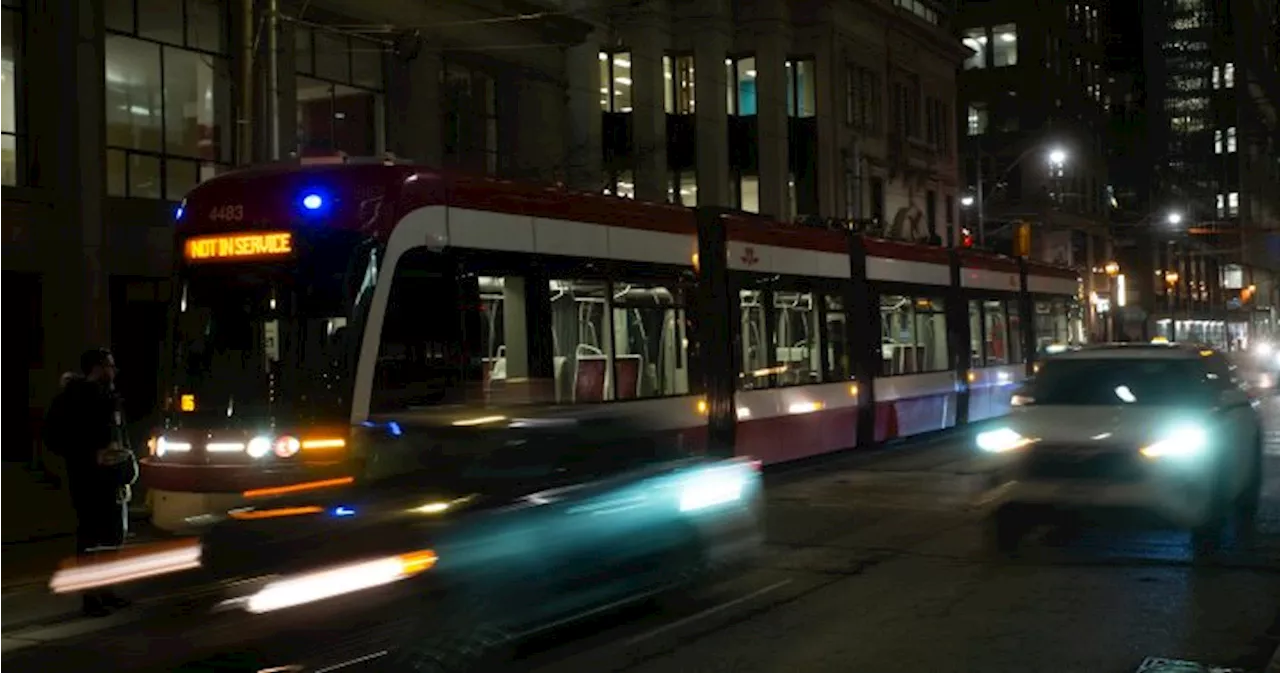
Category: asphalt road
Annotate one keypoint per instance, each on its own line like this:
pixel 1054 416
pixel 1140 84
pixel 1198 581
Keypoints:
pixel 877 564
pixel 872 569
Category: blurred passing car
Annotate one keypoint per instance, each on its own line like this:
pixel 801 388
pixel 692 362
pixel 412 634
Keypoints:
pixel 1160 429
pixel 467 535
pixel 1259 367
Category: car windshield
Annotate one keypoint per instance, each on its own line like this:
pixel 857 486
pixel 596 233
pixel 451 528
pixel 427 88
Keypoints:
pixel 1121 382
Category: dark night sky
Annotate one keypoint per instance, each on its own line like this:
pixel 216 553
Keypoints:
pixel 1124 45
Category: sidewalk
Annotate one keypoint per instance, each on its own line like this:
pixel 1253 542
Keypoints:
pixel 39 527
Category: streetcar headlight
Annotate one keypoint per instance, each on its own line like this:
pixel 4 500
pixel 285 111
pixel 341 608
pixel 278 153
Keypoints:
pixel 259 447
pixel 164 446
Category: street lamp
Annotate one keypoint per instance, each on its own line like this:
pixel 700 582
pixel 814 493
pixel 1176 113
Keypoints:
pixel 1174 218
pixel 1112 269
pixel 1057 156
pixel 966 201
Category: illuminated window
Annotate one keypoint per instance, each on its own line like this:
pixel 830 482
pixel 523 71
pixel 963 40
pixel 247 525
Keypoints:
pixel 168 106
pixel 677 73
pixel 913 335
pixel 1217 77
pixel 622 183
pixel 1004 45
pixel 749 193
pixel 340 94
pixel 920 9
pixel 977 118
pixel 1217 141
pixel 1228 75
pixel 1222 205
pixel 976 39
pixel 1231 140
pixel 683 189
pixel 801 96
pixel 649 336
pixel 1233 204
pixel 615 81
pixel 10 102
pixel 741 89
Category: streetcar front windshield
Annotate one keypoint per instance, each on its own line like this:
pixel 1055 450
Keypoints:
pixel 268 342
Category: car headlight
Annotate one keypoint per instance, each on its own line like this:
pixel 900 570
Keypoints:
pixel 1186 441
pixel 1001 440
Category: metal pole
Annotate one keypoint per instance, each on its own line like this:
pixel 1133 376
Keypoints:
pixel 982 214
pixel 273 96
pixel 246 85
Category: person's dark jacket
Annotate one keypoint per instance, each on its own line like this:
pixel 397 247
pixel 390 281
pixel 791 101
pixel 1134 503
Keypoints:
pixel 82 421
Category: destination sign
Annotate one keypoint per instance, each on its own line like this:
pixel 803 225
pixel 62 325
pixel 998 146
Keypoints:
pixel 238 246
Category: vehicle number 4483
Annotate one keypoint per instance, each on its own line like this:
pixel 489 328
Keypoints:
pixel 233 213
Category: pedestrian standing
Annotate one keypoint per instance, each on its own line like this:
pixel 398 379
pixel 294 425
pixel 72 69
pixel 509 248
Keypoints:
pixel 86 427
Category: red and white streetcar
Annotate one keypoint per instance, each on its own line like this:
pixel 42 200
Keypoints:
pixel 322 309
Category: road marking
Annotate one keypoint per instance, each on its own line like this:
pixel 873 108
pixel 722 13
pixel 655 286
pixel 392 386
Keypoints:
pixel 707 612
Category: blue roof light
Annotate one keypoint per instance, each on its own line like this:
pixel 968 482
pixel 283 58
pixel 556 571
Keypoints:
pixel 312 201
pixel 343 511
pixel 177 214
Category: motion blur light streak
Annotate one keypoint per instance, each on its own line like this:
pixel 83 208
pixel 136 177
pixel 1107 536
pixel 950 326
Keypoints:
pixel 133 566
pixel 480 420
pixel 346 579
pixel 297 488
pixel 711 488
pixel 252 514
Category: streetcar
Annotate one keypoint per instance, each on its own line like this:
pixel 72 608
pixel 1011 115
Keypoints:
pixel 316 305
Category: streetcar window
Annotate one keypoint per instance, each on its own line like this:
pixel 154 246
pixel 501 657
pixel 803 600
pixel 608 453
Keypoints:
pixel 1052 325
pixel 838 365
pixel 796 339
pixel 995 334
pixel 650 341
pixel 580 341
pixel 1016 356
pixel 420 355
pixel 976 329
pixel 913 335
pixel 756 370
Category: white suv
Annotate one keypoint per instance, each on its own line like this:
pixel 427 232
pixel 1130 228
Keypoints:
pixel 1165 429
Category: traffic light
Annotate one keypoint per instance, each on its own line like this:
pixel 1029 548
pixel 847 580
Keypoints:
pixel 966 238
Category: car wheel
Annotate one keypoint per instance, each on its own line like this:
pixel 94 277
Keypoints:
pixel 1247 502
pixel 1208 536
